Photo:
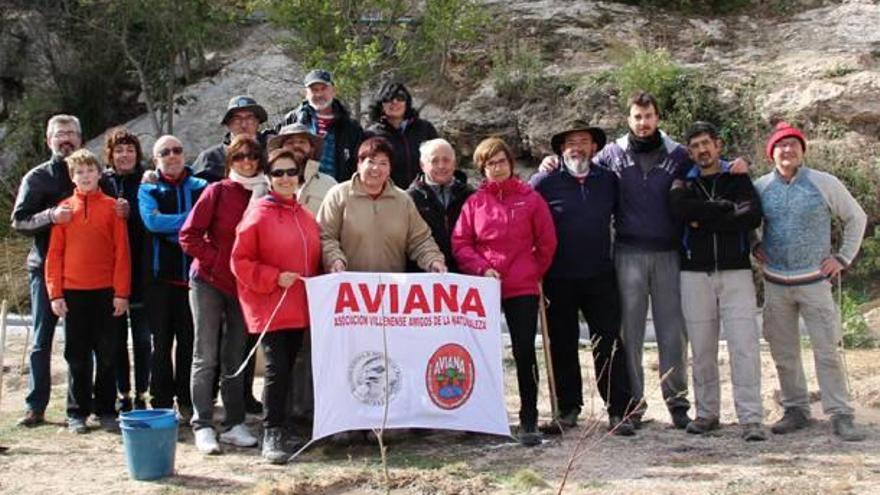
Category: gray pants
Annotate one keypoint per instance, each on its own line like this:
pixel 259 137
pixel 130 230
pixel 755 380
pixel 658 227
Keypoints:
pixel 218 347
pixel 727 297
pixel 815 303
pixel 655 273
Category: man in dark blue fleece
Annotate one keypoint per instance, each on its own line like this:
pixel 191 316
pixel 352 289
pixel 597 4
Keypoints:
pixel 582 278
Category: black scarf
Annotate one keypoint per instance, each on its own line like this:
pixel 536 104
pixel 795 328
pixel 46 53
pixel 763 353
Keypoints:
pixel 644 145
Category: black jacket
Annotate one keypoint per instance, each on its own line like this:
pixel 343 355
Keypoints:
pixel 441 219
pixel 405 162
pixel 719 212
pixel 41 189
pixel 126 186
pixel 347 135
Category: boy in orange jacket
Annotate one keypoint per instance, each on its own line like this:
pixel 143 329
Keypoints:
pixel 88 277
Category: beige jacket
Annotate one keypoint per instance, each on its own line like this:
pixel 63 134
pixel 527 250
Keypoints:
pixel 374 235
pixel 315 187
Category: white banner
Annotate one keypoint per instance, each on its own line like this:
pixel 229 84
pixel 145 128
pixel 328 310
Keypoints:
pixel 442 333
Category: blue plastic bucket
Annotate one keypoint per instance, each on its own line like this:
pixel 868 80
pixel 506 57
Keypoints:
pixel 150 441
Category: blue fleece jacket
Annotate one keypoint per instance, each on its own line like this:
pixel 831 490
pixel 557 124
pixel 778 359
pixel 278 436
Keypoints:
pixel 582 213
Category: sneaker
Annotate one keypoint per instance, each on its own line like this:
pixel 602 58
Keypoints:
pixel 529 435
pixel 206 441
pixel 273 446
pixel 702 425
pixel 239 436
pixel 77 425
pixel 621 426
pixel 792 420
pixel 253 406
pixel 680 418
pixel 123 404
pixel 109 424
pixel 845 429
pixel 31 419
pixel 753 432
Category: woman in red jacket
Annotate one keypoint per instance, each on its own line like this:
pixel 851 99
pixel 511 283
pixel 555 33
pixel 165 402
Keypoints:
pixel 207 236
pixel 276 244
pixel 506 231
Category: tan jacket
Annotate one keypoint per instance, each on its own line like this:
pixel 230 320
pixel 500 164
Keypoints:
pixel 315 187
pixel 374 235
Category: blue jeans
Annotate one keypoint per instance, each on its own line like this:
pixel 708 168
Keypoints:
pixel 142 345
pixel 40 379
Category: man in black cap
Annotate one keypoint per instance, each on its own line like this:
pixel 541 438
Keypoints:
pixel 243 116
pixel 327 117
pixel 582 279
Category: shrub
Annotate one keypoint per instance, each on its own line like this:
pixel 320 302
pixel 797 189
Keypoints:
pixel 517 72
pixel 856 334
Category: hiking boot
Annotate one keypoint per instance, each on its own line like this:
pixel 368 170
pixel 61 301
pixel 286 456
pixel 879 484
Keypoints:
pixel 529 435
pixel 109 424
pixel 253 406
pixel 206 441
pixel 792 420
pixel 77 425
pixel 123 404
pixel 621 426
pixel 273 446
pixel 845 429
pixel 31 419
pixel 239 436
pixel 562 421
pixel 680 418
pixel 702 425
pixel 753 432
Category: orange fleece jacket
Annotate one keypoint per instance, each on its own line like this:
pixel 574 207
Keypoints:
pixel 90 251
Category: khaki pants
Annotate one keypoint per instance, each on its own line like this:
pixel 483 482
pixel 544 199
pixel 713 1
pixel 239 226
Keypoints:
pixel 815 304
pixel 708 300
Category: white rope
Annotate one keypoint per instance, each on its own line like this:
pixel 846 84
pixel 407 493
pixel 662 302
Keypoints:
pixel 840 347
pixel 260 338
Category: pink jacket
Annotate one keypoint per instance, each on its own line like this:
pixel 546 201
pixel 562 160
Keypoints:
pixel 506 226
pixel 276 235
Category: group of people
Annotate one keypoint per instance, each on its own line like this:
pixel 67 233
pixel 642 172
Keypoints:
pixel 196 261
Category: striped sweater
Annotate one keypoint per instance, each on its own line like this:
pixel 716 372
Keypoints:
pixel 797 224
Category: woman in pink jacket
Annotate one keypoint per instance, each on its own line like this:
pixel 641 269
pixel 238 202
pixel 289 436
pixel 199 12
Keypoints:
pixel 277 243
pixel 506 231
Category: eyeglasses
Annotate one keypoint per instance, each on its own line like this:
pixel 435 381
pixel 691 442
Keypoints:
pixel 245 156
pixel 242 119
pixel 174 150
pixel 395 97
pixel 64 134
pixel 281 172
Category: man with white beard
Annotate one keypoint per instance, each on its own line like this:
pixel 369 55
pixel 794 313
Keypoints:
pixel 327 117
pixel 582 279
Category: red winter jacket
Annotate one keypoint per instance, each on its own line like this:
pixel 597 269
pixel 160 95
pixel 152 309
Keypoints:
pixel 506 226
pixel 276 235
pixel 209 232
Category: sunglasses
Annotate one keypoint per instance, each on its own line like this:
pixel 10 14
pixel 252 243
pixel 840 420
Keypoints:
pixel 175 150
pixel 281 172
pixel 245 156
pixel 395 97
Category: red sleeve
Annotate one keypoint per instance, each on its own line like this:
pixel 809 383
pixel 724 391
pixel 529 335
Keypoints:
pixel 545 234
pixel 192 234
pixel 55 262
pixel 245 260
pixel 122 262
pixel 464 242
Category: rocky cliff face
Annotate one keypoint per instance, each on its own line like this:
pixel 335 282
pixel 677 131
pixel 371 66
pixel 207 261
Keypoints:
pixel 820 66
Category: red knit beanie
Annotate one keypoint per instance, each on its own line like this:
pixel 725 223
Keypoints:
pixel 781 131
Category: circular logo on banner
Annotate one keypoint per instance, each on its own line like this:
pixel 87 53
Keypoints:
pixel 366 378
pixel 450 376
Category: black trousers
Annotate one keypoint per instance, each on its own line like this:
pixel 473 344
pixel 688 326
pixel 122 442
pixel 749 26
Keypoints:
pixel 89 345
pixel 280 348
pixel 598 300
pixel 170 320
pixel 521 313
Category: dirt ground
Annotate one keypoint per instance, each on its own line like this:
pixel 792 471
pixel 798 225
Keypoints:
pixel 659 460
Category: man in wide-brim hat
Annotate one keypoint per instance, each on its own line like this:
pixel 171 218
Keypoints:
pixel 243 117
pixel 582 279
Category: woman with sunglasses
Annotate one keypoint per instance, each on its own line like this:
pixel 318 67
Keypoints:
pixel 277 243
pixel 208 235
pixel 394 118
